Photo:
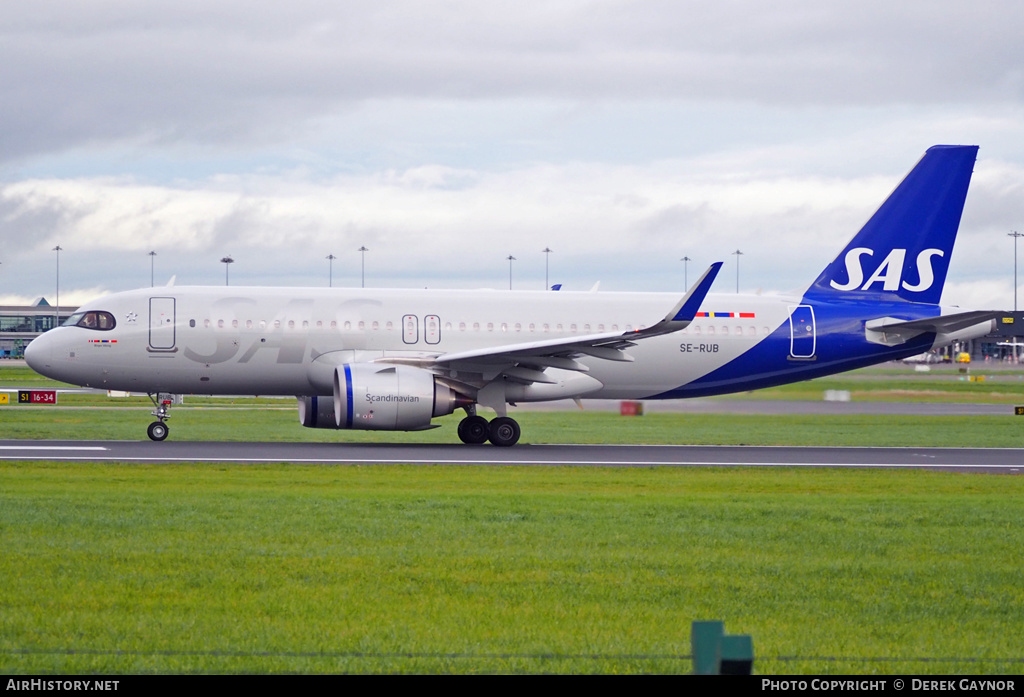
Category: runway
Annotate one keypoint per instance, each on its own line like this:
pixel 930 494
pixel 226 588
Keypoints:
pixel 977 460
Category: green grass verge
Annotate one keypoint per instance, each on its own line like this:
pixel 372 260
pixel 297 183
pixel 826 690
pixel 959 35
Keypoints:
pixel 890 383
pixel 204 418
pixel 242 423
pixel 208 568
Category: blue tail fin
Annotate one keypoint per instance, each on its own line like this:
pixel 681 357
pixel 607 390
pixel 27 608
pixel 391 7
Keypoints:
pixel 903 251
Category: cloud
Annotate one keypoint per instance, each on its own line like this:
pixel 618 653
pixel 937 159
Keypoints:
pixel 447 135
pixel 439 223
pixel 239 73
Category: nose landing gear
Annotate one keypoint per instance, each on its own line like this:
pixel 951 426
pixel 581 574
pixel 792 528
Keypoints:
pixel 158 430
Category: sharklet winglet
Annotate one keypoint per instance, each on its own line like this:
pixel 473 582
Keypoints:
pixel 685 310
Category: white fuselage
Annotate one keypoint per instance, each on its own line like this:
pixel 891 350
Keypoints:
pixel 215 340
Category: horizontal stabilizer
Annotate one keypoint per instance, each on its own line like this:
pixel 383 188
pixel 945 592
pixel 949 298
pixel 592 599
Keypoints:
pixel 891 331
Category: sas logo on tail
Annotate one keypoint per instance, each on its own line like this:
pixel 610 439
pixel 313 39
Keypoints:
pixel 889 272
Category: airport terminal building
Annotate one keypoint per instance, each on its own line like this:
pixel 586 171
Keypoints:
pixel 19 324
pixel 1005 343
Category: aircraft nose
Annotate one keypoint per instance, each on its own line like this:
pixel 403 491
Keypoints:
pixel 37 354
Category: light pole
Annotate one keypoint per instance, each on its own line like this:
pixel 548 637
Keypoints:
pixel 226 261
pixel 152 256
pixel 510 260
pixel 738 254
pixel 1015 235
pixel 330 270
pixel 547 256
pixel 362 267
pixel 686 280
pixel 56 312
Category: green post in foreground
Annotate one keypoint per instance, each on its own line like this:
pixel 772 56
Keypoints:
pixel 717 653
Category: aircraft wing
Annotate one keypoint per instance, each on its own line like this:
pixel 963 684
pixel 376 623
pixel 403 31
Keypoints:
pixel 526 362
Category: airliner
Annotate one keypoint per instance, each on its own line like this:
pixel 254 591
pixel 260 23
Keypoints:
pixel 395 360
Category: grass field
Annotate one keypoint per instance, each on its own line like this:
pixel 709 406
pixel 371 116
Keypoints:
pixel 288 568
pixel 247 419
pixel 253 423
pixel 212 568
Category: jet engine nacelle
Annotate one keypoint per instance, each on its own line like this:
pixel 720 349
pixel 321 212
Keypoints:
pixel 379 397
pixel 317 412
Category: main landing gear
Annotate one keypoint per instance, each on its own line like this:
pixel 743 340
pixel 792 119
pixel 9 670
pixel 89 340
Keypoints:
pixel 158 430
pixel 503 431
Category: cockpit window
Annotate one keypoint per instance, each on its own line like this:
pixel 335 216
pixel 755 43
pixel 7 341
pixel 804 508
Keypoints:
pixel 93 319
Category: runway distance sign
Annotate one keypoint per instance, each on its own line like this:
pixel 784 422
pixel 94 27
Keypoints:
pixel 37 396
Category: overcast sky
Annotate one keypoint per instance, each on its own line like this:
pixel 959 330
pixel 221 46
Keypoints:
pixel 446 136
